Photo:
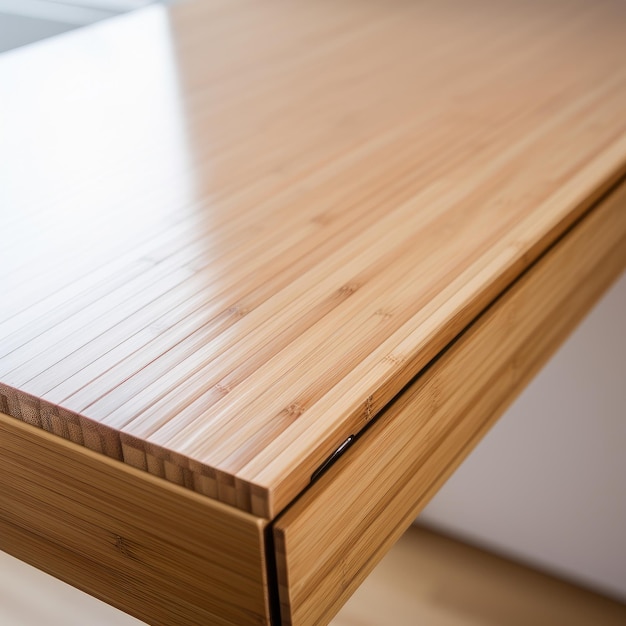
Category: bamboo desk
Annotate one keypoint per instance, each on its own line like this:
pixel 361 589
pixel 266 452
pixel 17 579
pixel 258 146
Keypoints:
pixel 235 234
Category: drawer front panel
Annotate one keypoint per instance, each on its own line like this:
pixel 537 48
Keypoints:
pixel 337 531
pixel 155 550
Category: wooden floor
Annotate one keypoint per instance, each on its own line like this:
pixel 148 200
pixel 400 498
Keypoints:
pixel 426 579
pixel 431 580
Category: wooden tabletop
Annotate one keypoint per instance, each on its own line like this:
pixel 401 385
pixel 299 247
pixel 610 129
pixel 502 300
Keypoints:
pixel 233 231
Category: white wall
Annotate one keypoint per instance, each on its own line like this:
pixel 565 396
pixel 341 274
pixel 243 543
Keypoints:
pixel 548 483
pixel 26 21
pixel 18 30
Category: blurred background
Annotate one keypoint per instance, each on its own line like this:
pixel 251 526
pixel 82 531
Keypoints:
pixel 25 21
pixel 544 491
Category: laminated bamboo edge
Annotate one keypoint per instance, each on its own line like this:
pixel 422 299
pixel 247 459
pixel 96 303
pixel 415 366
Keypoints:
pixel 155 550
pixel 330 539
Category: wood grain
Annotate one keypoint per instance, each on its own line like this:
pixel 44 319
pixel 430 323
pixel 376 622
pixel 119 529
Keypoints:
pixel 335 533
pixel 239 229
pixel 153 549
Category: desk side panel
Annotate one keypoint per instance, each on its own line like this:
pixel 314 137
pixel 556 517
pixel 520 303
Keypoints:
pixel 153 549
pixel 335 534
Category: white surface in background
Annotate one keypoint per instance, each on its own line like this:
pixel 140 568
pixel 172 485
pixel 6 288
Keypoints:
pixel 26 21
pixel 19 30
pixel 54 11
pixel 548 483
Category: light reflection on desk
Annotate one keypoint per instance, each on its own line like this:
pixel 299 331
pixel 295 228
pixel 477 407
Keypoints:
pixel 101 143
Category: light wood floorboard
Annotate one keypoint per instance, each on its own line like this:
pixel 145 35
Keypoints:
pixel 431 580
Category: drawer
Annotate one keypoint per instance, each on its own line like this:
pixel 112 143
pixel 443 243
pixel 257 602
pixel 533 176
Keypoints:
pixel 336 532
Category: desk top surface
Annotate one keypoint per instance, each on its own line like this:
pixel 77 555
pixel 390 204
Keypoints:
pixel 233 231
